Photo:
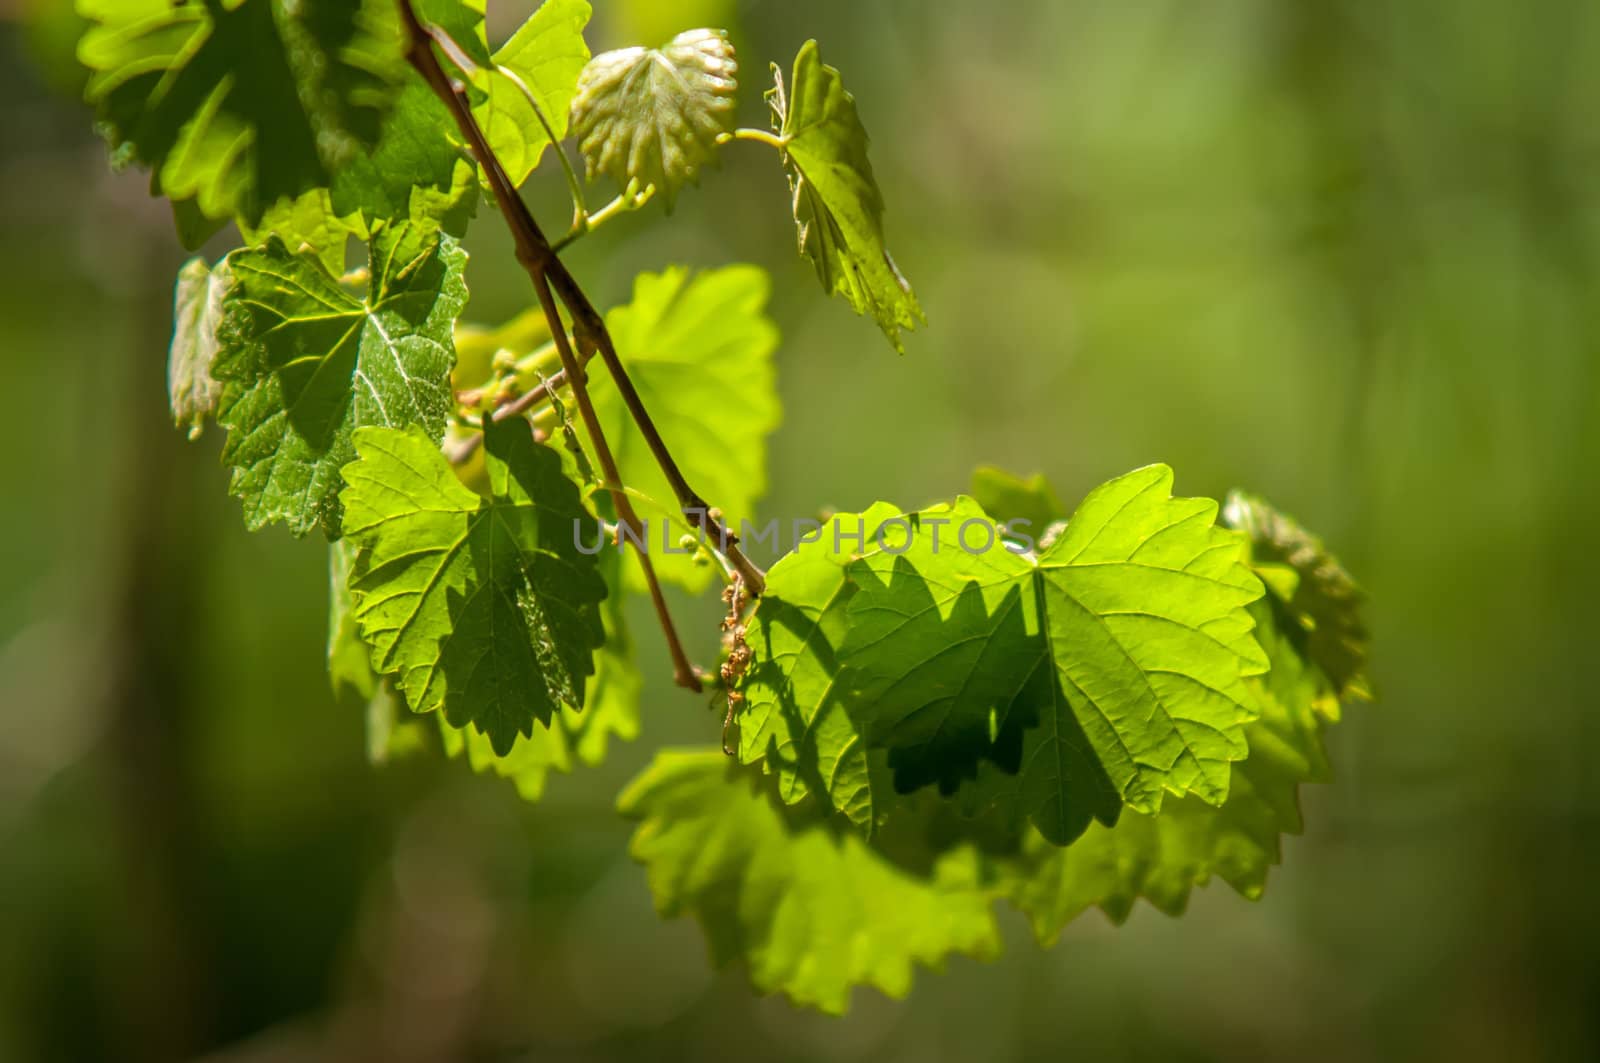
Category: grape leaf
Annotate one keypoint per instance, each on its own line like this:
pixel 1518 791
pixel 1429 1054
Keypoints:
pixel 235 105
pixel 304 362
pixel 196 313
pixel 810 908
pixel 1140 608
pixel 654 114
pixel 795 718
pixel 610 708
pixel 462 22
pixel 307 223
pixel 482 607
pixel 699 350
pixel 419 169
pixel 838 208
pixel 1326 601
pixel 416 170
pixel 1163 857
pixel 940 641
pixel 542 60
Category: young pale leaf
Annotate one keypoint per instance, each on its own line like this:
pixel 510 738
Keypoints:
pixel 610 708
pixel 537 68
pixel 795 718
pixel 235 105
pixel 654 114
pixel 481 607
pixel 699 351
pixel 837 205
pixel 1326 601
pixel 812 910
pixel 1139 607
pixel 304 362
pixel 196 315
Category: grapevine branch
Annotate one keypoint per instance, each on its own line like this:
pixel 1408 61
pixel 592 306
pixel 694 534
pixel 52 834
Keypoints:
pixel 537 256
pixel 533 251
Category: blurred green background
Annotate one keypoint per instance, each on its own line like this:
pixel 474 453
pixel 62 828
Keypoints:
pixel 1345 252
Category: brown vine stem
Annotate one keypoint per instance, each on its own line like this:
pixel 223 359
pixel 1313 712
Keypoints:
pixel 588 327
pixel 533 251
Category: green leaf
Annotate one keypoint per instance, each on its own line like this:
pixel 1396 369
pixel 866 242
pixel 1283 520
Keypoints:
pixel 539 65
pixel 1030 505
pixel 307 223
pixel 940 641
pixel 795 718
pixel 837 205
pixel 1163 857
pixel 462 22
pixel 392 732
pixel 654 114
pixel 699 351
pixel 481 607
pixel 197 312
pixel 811 909
pixel 349 659
pixel 417 169
pixel 304 362
pixel 1326 601
pixel 236 105
pixel 610 709
pixel 1139 609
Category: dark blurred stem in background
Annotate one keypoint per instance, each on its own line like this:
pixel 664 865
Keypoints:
pixel 152 609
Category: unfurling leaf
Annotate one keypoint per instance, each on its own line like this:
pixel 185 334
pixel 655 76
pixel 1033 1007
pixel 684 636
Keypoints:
pixel 654 114
pixel 305 362
pixel 699 351
pixel 481 607
pixel 837 205
pixel 236 105
pixel 197 313
pixel 812 910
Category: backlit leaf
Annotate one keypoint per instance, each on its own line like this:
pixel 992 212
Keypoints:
pixel 698 347
pixel 811 909
pixel 480 607
pixel 837 205
pixel 236 105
